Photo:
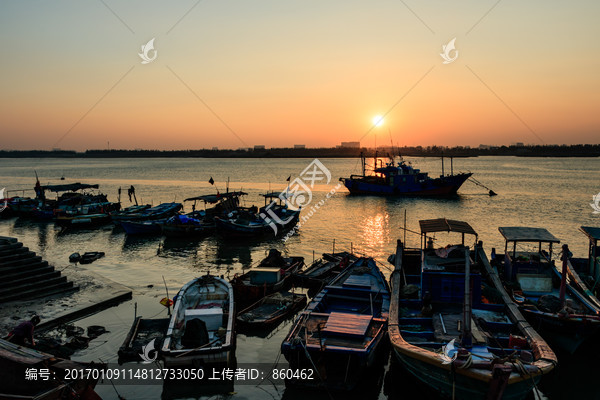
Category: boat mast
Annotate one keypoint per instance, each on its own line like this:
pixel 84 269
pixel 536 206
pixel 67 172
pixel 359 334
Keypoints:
pixel 363 162
pixel 466 333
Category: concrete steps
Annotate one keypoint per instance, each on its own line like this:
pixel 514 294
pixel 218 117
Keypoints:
pixel 25 275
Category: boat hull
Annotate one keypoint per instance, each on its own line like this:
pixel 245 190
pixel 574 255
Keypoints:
pixel 141 228
pixel 446 186
pixel 233 229
pixel 444 381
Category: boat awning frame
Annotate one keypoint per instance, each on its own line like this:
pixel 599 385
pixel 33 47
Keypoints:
pixel 445 225
pixel 593 233
pixel 527 234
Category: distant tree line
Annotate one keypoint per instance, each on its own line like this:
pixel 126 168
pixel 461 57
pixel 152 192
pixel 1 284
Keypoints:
pixel 579 150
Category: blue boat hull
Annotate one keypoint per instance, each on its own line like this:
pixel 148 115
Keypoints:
pixel 231 228
pixel 141 228
pixel 445 186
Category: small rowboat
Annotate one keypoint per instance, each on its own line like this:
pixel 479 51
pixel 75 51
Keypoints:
pixel 269 311
pixel 201 330
pixel 272 275
pixel 342 331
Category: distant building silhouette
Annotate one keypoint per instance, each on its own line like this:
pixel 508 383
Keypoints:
pixel 350 145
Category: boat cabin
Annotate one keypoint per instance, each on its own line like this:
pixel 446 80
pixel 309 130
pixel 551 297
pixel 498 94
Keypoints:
pixel 443 268
pixel 533 270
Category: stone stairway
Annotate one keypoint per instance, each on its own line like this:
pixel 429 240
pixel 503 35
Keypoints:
pixel 24 275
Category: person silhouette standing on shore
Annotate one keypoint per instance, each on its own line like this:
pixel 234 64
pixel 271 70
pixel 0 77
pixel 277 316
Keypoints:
pixel 24 331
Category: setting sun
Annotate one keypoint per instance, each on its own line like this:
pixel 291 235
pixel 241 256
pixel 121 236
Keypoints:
pixel 378 120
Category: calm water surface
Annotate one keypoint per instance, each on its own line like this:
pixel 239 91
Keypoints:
pixel 544 192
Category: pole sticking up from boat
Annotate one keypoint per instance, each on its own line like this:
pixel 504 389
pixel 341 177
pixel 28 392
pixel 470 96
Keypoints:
pixel 563 279
pixel 333 252
pixel 167 290
pixel 404 227
pixel 466 326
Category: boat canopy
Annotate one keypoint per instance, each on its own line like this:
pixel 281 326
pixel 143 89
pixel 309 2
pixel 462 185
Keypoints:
pixel 215 198
pixel 591 232
pixel 71 187
pixel 527 234
pixel 445 225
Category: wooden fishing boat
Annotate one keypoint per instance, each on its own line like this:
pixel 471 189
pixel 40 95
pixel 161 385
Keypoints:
pixel 151 227
pixel 273 219
pixel 141 333
pixel 201 330
pixel 129 212
pixel 51 377
pixel 83 220
pixel 273 274
pixel 564 316
pixel 202 223
pixel 161 211
pixel 269 311
pixel 324 269
pixel 585 272
pixel 454 328
pixel 340 336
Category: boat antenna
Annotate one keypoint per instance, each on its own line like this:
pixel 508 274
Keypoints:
pixel 392 143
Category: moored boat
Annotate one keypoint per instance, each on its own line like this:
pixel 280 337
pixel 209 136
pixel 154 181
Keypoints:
pixel 325 269
pixel 202 328
pixel 202 223
pixel 83 220
pixel 161 211
pixel 585 272
pixel 269 311
pixel 564 316
pixel 272 275
pixel 402 179
pixel 273 219
pixel 30 374
pixel 341 335
pixel 454 328
pixel 129 212
pixel 150 227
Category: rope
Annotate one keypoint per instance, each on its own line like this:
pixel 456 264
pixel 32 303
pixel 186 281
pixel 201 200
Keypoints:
pixel 476 182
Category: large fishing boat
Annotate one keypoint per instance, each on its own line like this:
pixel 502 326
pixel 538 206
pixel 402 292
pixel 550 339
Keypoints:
pixel 454 328
pixel 402 179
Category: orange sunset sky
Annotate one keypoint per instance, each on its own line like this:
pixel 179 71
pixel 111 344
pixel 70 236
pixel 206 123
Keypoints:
pixel 238 73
